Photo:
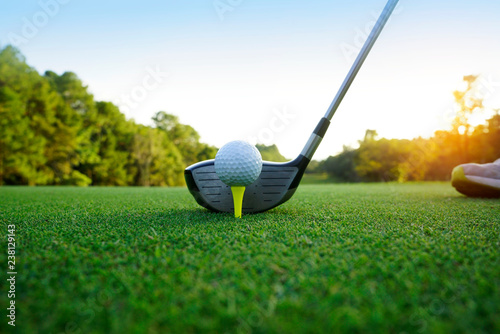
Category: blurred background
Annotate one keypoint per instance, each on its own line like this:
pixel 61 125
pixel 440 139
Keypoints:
pixel 130 93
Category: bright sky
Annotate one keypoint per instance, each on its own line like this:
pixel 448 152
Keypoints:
pixel 265 70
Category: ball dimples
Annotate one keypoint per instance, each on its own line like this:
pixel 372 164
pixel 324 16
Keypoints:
pixel 238 163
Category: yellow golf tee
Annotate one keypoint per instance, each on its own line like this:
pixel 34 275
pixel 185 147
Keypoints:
pixel 238 192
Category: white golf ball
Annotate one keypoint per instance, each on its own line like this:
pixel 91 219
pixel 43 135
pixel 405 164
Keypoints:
pixel 238 163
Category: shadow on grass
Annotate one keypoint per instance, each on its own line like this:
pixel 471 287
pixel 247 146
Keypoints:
pixel 465 199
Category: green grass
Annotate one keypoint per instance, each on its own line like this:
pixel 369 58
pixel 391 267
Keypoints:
pixel 362 258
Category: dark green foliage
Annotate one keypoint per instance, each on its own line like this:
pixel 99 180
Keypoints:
pixel 53 132
pixel 22 145
pixel 185 139
pixel 359 258
pixel 270 153
pixel 342 167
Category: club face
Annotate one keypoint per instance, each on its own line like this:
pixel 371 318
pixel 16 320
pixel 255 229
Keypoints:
pixel 276 184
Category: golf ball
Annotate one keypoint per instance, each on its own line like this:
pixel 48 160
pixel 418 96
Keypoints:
pixel 238 163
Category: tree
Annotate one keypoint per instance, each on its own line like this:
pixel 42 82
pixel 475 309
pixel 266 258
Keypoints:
pixel 419 155
pixel 485 140
pixel 145 147
pixel 108 156
pixel 72 90
pixel 185 138
pixel 270 153
pixel 22 150
pixel 493 131
pixel 380 159
pixel 467 102
pixel 158 160
pixel 342 167
pixel 53 132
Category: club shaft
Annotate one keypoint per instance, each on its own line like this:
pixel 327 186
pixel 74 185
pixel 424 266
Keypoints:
pixel 377 29
pixel 322 126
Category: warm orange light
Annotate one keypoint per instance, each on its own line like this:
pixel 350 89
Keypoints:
pixel 461 129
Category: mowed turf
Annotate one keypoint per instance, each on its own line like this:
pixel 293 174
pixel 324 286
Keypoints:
pixel 363 258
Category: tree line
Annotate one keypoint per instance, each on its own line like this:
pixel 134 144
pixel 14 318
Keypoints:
pixel 420 159
pixel 53 132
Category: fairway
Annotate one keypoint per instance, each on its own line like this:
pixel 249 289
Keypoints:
pixel 360 258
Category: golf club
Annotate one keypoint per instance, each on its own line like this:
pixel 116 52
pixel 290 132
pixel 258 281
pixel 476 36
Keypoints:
pixel 278 181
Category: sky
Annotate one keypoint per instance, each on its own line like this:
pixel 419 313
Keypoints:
pixel 266 71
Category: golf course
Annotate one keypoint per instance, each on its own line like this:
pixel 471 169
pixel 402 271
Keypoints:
pixel 336 258
pixel 227 167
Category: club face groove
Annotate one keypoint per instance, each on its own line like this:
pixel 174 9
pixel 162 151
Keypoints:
pixel 275 185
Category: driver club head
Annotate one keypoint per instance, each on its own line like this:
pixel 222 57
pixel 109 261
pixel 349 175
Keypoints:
pixel 276 185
